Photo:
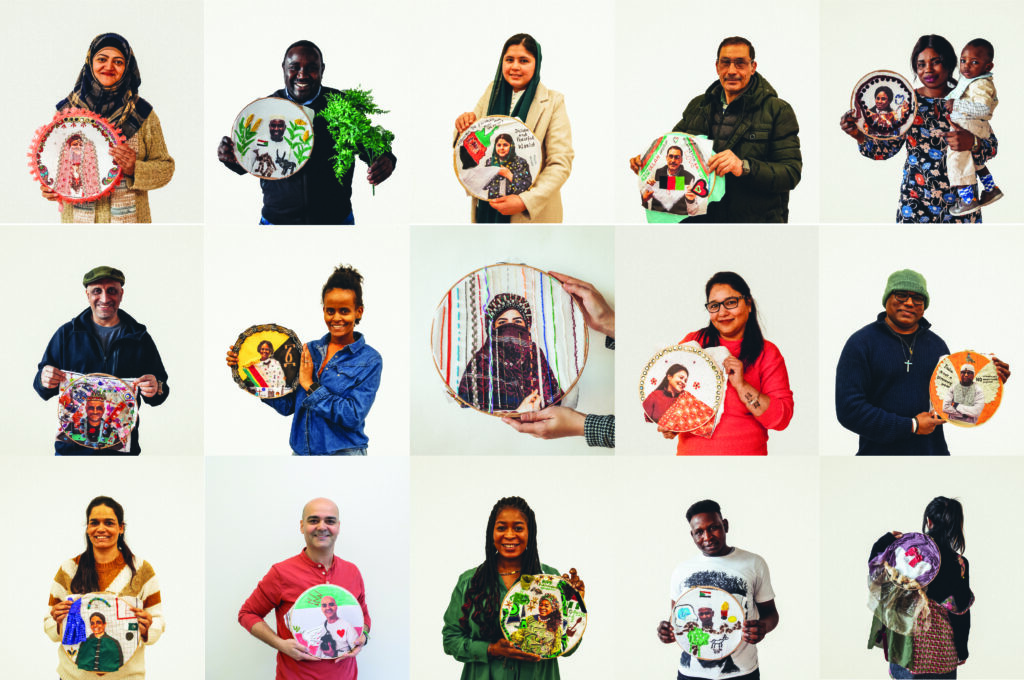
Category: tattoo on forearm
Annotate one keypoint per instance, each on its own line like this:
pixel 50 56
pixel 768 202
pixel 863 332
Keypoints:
pixel 752 399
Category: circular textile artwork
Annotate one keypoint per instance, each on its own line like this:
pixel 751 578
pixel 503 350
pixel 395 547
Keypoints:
pixel 681 389
pixel 885 105
pixel 507 339
pixel 497 156
pixel 912 557
pixel 543 615
pixel 327 620
pixel 708 622
pixel 268 360
pixel 71 156
pixel 965 388
pixel 674 179
pixel 96 410
pixel 273 137
pixel 101 632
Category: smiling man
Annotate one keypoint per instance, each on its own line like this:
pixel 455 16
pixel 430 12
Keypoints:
pixel 286 581
pixel 756 139
pixel 311 195
pixel 103 339
pixel 883 375
pixel 734 570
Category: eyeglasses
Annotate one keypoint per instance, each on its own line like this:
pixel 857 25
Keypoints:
pixel 728 303
pixel 740 64
pixel 903 295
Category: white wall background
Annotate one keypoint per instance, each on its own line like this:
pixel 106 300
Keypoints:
pixel 163 291
pixel 661 274
pixel 163 503
pixel 245 538
pixel 863 499
pixel 237 296
pixel 54 36
pixel 854 268
pixel 446 255
pixel 858 189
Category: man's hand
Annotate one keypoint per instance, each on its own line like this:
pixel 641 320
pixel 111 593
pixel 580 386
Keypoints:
pixel 464 121
pixel 148 385
pixel 754 631
pixel 665 633
pixel 292 648
pixel 635 163
pixel 1002 368
pixel 226 153
pixel 927 422
pixel 306 368
pixel 726 162
pixel 848 124
pixel 50 377
pixel 380 170
pixel 145 621
pixel 552 422
pixel 597 313
pixel 508 205
pixel 124 157
pixel 505 649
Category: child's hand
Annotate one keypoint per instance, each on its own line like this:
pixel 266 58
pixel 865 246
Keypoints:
pixel 949 106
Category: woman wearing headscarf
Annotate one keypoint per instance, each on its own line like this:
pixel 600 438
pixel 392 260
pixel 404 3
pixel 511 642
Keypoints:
pixel 518 92
pixel 514 176
pixel 108 85
pixel 509 373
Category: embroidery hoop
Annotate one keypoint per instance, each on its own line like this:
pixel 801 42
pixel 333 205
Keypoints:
pixel 871 81
pixel 907 541
pixel 44 159
pixel 660 363
pixel 571 605
pixel 522 137
pixel 947 373
pixel 255 117
pixel 442 325
pixel 305 622
pixel 247 385
pixel 128 397
pixel 693 161
pixel 686 608
pixel 121 623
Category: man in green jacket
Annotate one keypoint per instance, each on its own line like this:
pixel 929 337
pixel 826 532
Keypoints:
pixel 755 138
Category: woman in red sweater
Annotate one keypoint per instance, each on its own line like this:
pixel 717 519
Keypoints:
pixel 758 398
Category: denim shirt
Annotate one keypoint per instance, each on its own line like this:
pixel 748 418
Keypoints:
pixel 332 418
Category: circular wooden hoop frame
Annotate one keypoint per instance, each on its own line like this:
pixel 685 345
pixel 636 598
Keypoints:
pixel 719 380
pixel 680 637
pixel 552 578
pixel 865 82
pixel 302 112
pixel 458 145
pixel 936 400
pixel 248 333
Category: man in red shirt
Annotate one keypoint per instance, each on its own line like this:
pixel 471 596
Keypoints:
pixel 285 582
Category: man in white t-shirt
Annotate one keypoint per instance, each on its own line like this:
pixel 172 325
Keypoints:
pixel 736 571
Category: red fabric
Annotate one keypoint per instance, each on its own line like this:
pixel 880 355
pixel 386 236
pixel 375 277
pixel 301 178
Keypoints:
pixel 934 650
pixel 739 432
pixel 279 590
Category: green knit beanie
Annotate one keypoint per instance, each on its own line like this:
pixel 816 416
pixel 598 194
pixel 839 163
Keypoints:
pixel 908 280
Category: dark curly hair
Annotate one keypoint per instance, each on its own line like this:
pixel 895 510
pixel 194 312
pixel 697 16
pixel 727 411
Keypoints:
pixel 483 597
pixel 86 580
pixel 345 277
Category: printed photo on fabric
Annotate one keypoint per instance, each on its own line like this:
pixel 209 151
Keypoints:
pixel 674 180
pixel 682 389
pixel 273 137
pixel 327 620
pixel 884 105
pixel 268 360
pixel 96 410
pixel 543 615
pixel 497 156
pixel 708 622
pixel 101 632
pixel 965 388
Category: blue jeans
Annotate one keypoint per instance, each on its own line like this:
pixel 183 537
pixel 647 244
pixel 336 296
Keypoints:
pixel 901 673
pixel 339 452
pixel 350 220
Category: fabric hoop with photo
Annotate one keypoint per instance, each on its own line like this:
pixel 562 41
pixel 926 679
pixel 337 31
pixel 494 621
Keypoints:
pixel 96 410
pixel 491 144
pixel 275 374
pixel 696 408
pixel 70 156
pixel 327 620
pixel 884 104
pixel 549 630
pixel 671 194
pixel 708 622
pixel 101 632
pixel 970 405
pixel 273 137
pixel 897 579
pixel 507 338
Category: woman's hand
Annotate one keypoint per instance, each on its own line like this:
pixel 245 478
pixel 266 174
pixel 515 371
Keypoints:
pixel 59 612
pixel 576 582
pixel 464 121
pixel 124 157
pixel 504 648
pixel 667 434
pixel 848 124
pixel 232 358
pixel 145 621
pixel 959 139
pixel 734 372
pixel 506 173
pixel 508 205
pixel 530 403
pixel 49 195
pixel 306 368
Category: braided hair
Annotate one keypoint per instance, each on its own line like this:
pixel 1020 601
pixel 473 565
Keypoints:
pixel 86 580
pixel 482 604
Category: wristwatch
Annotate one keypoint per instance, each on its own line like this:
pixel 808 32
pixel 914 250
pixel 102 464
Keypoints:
pixel 312 388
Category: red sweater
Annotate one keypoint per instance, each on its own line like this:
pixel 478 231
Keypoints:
pixel 740 432
pixel 279 589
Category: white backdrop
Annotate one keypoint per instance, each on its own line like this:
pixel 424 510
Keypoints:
pixel 166 39
pixel 237 297
pixel 244 538
pixel 661 274
pixel 163 504
pixel 163 291
pixel 443 257
pixel 965 316
pixel 858 189
pixel 862 499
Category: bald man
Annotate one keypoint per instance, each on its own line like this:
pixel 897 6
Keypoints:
pixel 286 581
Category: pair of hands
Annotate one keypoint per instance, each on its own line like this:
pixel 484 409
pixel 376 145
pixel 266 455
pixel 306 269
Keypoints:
pixel 378 171
pixel 124 158
pixel 722 163
pixel 753 631
pixel 504 648
pixel 506 205
pixel 305 365
pixel 957 138
pixel 59 612
pixel 51 376
pixel 292 648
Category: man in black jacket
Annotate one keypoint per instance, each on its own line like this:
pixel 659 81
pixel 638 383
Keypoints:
pixel 312 194
pixel 755 137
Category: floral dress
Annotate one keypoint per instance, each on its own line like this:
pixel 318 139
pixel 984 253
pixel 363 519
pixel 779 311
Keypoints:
pixel 522 180
pixel 925 194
